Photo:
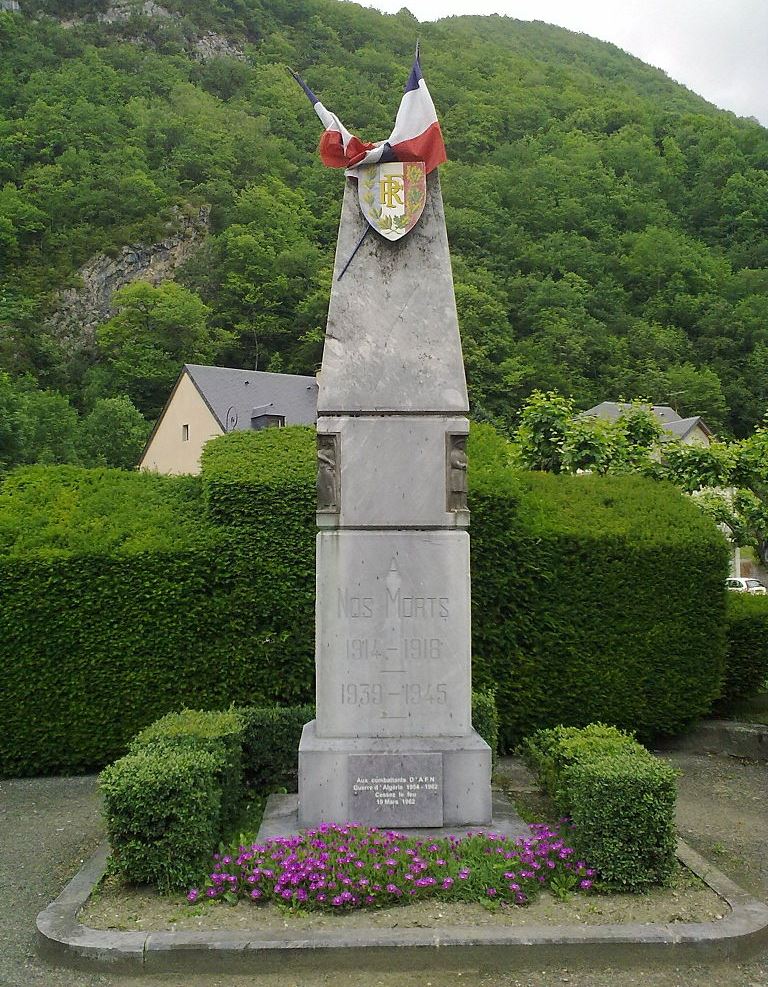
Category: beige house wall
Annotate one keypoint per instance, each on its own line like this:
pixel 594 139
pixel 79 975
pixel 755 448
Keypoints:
pixel 697 437
pixel 168 450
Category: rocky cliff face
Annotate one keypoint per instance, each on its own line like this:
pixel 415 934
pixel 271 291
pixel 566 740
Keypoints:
pixel 212 45
pixel 80 310
pixel 204 47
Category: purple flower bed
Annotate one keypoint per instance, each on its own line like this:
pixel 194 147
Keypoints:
pixel 352 866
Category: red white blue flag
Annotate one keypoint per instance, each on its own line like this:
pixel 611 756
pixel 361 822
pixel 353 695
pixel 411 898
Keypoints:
pixel 416 137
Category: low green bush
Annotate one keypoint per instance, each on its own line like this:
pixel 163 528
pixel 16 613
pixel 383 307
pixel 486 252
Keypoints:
pixel 746 661
pixel 485 719
pixel 162 808
pixel 218 733
pixel 620 797
pixel 623 808
pixel 271 736
pixel 550 752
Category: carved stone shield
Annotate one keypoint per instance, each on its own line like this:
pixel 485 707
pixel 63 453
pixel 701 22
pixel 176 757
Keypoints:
pixel 392 196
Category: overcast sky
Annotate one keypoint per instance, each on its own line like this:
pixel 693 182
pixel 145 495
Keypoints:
pixel 717 48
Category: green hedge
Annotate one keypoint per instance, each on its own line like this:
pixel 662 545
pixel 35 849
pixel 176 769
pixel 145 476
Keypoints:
pixel 259 490
pixel 746 663
pixel 271 744
pixel 160 614
pixel 126 596
pixel 611 605
pixel 485 719
pixel 620 797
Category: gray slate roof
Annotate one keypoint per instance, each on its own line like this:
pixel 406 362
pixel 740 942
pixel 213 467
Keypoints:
pixel 683 426
pixel 668 417
pixel 245 394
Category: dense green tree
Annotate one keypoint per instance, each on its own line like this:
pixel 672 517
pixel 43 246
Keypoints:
pixel 156 329
pixel 47 427
pixel 113 433
pixel 607 226
pixel 10 424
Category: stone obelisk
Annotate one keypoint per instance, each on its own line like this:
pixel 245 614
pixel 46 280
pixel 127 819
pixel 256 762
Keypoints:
pixel 393 742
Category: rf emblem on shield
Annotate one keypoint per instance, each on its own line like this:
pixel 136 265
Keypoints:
pixel 392 196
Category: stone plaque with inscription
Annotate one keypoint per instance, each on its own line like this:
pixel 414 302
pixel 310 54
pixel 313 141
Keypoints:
pixel 396 789
pixel 393 628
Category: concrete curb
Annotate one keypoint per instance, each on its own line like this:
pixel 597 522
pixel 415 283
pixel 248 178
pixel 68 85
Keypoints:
pixel 731 737
pixel 64 941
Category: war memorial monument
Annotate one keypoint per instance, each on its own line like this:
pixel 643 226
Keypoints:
pixel 392 743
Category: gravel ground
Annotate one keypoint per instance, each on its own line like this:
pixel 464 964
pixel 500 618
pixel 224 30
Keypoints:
pixel 48 826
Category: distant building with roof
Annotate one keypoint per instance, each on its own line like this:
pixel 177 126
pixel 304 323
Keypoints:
pixel 691 431
pixel 209 401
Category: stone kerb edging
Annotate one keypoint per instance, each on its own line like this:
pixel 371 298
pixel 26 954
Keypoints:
pixel 731 737
pixel 64 941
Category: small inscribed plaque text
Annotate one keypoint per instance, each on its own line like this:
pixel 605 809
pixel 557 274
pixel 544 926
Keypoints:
pixel 400 790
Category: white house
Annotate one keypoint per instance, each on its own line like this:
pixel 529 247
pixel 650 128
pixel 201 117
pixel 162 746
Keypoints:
pixel 209 401
pixel 691 431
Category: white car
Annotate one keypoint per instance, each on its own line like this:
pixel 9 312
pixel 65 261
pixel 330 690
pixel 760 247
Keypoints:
pixel 739 585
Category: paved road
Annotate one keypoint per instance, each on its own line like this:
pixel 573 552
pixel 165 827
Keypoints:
pixel 48 826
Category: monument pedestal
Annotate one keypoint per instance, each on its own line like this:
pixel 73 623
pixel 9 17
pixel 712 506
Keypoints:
pixel 406 782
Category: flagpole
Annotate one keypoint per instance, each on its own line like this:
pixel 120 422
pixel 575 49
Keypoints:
pixel 343 271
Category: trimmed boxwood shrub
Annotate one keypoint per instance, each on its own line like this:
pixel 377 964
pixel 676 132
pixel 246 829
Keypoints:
pixel 218 733
pixel 549 752
pixel 485 719
pixel 162 807
pixel 126 596
pixel 746 662
pixel 620 797
pixel 271 738
pixel 272 734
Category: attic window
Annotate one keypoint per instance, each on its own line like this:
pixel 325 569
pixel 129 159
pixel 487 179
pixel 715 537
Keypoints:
pixel 267 421
pixel 185 433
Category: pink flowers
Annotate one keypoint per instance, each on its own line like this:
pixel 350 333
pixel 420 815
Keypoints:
pixel 339 867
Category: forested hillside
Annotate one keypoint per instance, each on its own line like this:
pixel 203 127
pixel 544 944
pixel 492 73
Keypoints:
pixel 608 227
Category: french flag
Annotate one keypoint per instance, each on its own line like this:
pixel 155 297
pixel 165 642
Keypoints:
pixel 416 137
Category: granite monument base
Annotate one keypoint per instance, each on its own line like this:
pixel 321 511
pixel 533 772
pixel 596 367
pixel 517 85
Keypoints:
pixel 399 782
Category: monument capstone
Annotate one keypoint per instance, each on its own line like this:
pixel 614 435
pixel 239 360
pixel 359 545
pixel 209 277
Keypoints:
pixel 393 743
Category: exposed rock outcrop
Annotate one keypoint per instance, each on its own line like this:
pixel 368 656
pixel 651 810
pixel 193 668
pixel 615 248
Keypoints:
pixel 80 310
pixel 212 45
pixel 204 47
pixel 123 11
